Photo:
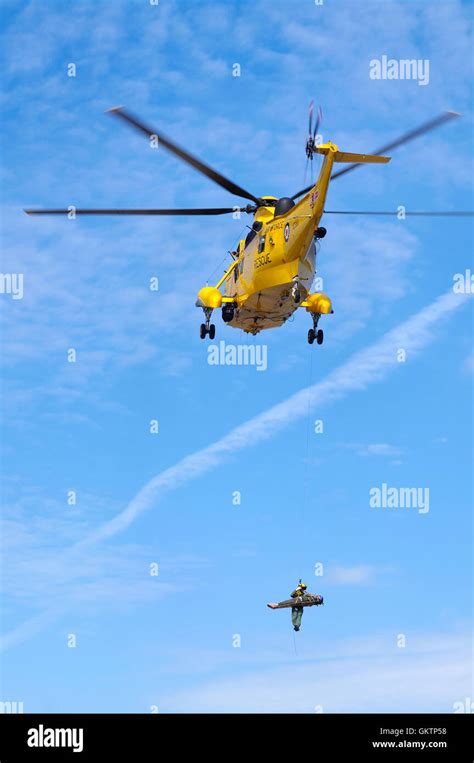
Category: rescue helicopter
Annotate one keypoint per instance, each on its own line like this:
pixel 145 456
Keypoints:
pixel 273 268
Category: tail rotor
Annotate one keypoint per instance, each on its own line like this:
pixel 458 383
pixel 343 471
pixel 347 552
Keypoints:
pixel 311 142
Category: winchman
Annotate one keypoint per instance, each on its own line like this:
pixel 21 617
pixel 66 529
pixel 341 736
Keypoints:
pixel 300 598
pixel 297 612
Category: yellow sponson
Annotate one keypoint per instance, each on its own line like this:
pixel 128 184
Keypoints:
pixel 319 303
pixel 209 296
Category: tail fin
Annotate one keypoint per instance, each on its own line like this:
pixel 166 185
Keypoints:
pixel 349 158
pixel 345 157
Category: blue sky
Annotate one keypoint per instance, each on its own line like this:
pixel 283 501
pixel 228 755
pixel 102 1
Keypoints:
pixel 168 641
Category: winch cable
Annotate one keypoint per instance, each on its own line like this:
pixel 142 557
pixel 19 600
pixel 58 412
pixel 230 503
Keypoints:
pixel 219 265
pixel 308 448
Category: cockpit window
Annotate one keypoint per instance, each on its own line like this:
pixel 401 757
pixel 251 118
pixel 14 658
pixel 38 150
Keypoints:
pixel 250 237
pixel 256 226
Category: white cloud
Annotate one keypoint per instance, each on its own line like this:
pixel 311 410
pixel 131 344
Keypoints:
pixel 382 449
pixel 430 674
pixel 374 449
pixel 365 269
pixel 469 363
pixel 37 574
pixel 360 575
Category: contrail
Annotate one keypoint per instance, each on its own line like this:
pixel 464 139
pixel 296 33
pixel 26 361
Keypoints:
pixel 362 369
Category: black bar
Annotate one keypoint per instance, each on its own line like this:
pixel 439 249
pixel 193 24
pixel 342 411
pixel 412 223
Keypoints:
pixel 157 737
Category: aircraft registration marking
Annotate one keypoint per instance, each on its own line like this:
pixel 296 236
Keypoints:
pixel 265 259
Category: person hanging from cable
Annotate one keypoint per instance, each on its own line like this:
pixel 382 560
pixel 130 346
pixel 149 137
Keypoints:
pixel 300 598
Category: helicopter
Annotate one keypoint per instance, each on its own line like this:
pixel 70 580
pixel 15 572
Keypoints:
pixel 273 268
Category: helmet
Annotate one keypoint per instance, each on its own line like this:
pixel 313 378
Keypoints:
pixel 302 585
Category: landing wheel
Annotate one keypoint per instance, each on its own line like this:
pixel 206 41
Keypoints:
pixel 212 331
pixel 203 331
pixel 311 336
pixel 320 336
pixel 297 296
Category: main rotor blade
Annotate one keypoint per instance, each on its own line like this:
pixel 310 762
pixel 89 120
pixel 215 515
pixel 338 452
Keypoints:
pixel 406 214
pixel 310 114
pixel 204 211
pixel 406 138
pixel 319 119
pixel 237 190
pixel 303 191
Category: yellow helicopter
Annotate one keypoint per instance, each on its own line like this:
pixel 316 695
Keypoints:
pixel 273 268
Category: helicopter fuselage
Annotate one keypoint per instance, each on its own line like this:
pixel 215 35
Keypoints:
pixel 280 257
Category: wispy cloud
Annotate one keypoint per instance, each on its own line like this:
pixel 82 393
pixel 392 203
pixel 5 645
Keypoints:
pixel 383 449
pixel 359 575
pixel 366 367
pixel 430 674
pixel 469 363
